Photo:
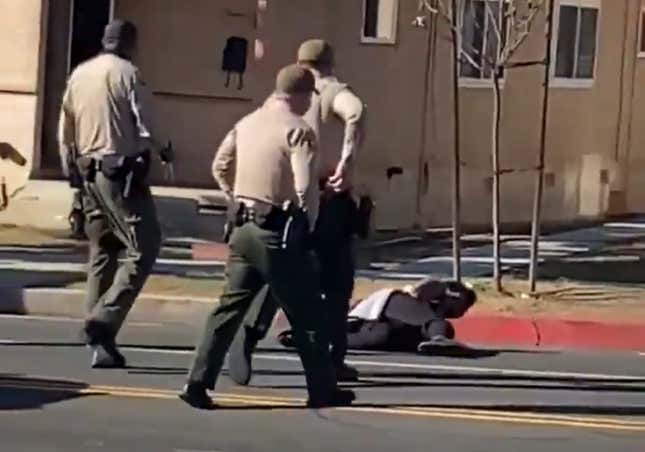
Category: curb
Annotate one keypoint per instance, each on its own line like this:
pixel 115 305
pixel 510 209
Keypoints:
pixel 551 333
pixel 542 333
pixel 71 303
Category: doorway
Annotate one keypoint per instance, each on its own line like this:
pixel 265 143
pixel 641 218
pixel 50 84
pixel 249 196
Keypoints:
pixel 74 35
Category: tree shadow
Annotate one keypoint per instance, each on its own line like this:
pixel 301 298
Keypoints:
pixel 376 380
pixel 156 370
pixel 551 409
pixel 26 393
pixel 8 152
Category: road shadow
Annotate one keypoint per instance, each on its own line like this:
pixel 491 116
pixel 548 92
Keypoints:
pixel 537 409
pixel 600 410
pixel 25 393
pixel 156 370
pixel 379 380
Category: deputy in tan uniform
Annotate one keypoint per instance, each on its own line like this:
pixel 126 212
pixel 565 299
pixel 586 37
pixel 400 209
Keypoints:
pixel 266 163
pixel 104 124
pixel 337 116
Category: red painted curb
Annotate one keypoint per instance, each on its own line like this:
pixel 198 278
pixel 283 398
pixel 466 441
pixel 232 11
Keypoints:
pixel 539 333
pixel 210 252
pixel 550 333
pixel 495 330
pixel 590 335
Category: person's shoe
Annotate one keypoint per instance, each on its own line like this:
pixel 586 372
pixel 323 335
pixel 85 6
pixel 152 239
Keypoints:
pixel 440 345
pixel 340 397
pixel 346 373
pixel 107 356
pixel 195 395
pixel 240 356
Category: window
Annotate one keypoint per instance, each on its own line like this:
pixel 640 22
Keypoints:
pixel 577 35
pixel 479 38
pixel 641 38
pixel 380 18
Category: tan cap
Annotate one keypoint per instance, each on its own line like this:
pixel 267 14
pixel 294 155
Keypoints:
pixel 294 79
pixel 316 51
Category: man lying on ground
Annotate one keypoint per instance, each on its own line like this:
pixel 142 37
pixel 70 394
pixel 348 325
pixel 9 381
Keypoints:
pixel 415 318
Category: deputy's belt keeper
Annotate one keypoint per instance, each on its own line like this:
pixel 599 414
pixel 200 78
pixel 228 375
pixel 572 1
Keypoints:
pixel 296 232
pixel 87 168
pixel 75 178
pixel 131 169
pixel 234 214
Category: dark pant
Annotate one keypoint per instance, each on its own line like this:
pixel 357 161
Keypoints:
pixel 257 260
pixel 334 246
pixel 124 242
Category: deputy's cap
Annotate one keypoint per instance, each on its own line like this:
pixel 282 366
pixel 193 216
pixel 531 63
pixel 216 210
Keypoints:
pixel 294 79
pixel 316 51
pixel 119 33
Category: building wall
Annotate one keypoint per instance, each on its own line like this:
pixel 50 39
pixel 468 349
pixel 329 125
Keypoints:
pixel 584 157
pixel 21 29
pixel 595 146
pixel 633 130
pixel 180 56
pixel 581 142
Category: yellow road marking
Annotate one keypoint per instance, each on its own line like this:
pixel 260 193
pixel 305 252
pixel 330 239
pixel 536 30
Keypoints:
pixel 528 418
pixel 589 423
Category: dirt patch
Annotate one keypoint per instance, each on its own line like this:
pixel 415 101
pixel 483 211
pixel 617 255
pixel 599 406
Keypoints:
pixel 12 235
pixel 564 299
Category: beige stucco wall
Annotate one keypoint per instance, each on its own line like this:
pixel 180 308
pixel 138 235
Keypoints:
pixel 20 43
pixel 581 141
pixel 180 56
pixel 583 135
pixel 633 128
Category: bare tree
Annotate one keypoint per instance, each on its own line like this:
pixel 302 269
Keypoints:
pixel 505 26
pixel 539 178
pixel 421 22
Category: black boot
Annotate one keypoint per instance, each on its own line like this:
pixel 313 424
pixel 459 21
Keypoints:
pixel 346 373
pixel 105 353
pixel 338 398
pixel 107 356
pixel 195 395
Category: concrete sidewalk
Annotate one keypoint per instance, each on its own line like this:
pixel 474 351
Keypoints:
pixel 183 212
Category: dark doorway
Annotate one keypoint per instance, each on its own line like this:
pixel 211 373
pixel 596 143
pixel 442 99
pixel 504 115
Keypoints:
pixel 75 30
pixel 89 19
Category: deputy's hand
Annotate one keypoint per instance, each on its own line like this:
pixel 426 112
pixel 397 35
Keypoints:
pixel 169 172
pixel 167 153
pixel 338 181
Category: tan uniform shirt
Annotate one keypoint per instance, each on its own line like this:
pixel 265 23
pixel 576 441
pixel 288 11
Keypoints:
pixel 269 157
pixel 105 109
pixel 337 116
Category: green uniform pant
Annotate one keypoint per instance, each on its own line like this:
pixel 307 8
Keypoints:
pixel 257 260
pixel 335 254
pixel 124 242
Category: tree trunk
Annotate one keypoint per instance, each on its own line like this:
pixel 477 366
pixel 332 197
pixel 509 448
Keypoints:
pixel 539 178
pixel 456 177
pixel 497 114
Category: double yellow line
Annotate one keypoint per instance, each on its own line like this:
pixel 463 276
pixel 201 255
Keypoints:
pixel 261 400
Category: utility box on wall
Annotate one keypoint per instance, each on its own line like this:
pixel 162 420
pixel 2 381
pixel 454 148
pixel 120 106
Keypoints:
pixel 194 47
pixel 594 186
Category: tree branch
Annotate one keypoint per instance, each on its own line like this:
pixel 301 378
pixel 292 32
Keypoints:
pixel 518 64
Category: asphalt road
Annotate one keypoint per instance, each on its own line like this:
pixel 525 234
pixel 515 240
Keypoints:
pixel 502 401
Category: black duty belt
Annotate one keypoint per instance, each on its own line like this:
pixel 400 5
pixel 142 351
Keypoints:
pixel 274 220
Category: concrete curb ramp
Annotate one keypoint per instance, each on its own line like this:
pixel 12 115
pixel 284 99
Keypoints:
pixel 547 333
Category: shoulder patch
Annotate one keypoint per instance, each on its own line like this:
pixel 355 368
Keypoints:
pixel 300 136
